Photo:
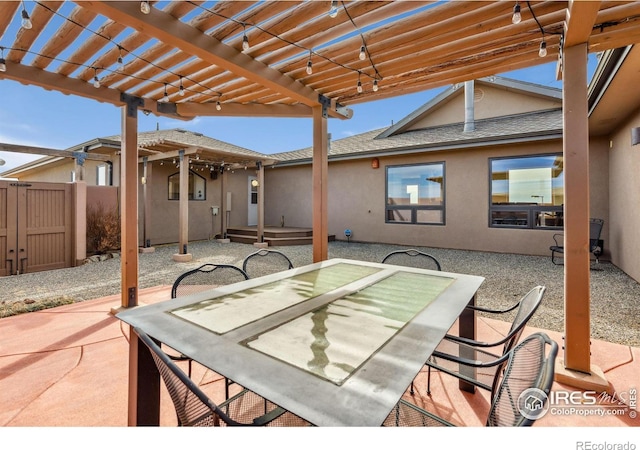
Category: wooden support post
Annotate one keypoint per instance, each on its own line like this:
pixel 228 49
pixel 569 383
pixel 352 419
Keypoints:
pixel 129 207
pixel 577 340
pixel 320 168
pixel 183 254
pixel 260 235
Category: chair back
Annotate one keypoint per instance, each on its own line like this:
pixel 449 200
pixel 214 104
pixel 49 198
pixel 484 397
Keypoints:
pixel 527 307
pixel 207 276
pixel 521 389
pixel 595 230
pixel 265 262
pixel 412 258
pixel 193 407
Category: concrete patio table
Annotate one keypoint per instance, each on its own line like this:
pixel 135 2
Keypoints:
pixel 335 342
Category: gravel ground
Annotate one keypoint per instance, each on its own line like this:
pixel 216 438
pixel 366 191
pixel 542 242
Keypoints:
pixel 615 297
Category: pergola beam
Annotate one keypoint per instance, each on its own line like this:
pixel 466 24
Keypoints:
pixel 50 152
pixel 54 82
pixel 172 31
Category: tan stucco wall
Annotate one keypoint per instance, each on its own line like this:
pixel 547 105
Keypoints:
pixel 624 199
pixel 60 172
pixel 490 102
pixel 357 201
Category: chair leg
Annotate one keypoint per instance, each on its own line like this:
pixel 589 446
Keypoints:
pixel 428 380
pixel 411 391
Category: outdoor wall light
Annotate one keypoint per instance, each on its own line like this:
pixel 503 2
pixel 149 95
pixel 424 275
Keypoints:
pixel 375 163
pixel 255 183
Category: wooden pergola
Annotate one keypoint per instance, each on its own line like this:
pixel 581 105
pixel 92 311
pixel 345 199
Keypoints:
pixel 298 59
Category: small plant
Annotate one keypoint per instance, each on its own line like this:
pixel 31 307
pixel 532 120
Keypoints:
pixel 8 309
pixel 103 229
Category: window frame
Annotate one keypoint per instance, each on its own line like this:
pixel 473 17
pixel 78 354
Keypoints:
pixel 524 216
pixel 191 195
pixel 415 208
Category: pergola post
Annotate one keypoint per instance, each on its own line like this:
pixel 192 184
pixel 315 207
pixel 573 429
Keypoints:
pixel 320 169
pixel 129 207
pixel 577 369
pixel 183 211
pixel 260 236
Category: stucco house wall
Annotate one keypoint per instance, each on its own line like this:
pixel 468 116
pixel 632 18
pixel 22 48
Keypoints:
pixel 357 200
pixel 624 198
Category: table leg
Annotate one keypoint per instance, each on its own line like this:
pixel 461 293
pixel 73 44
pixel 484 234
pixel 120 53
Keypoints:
pixel 144 385
pixel 467 329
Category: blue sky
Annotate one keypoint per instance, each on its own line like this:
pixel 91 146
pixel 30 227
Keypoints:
pixel 31 115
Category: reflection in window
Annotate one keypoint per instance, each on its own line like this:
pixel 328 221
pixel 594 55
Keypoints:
pixel 415 194
pixel 197 187
pixel 527 192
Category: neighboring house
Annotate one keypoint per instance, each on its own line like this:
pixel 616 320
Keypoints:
pixel 479 167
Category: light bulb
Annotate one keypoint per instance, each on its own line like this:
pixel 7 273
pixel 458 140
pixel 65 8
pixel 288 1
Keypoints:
pixel 181 91
pixel 218 106
pixel 245 43
pixel 333 11
pixel 120 62
pixel 165 98
pixel 96 82
pixel 309 67
pixel 359 87
pixel 362 54
pixel 26 21
pixel 517 17
pixel 3 65
pixel 543 49
pixel 375 85
pixel 145 7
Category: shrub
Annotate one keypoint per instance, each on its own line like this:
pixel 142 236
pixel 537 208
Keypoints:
pixel 103 229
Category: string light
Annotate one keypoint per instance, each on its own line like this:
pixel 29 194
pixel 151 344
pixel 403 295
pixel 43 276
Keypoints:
pixel 363 53
pixel 96 81
pixel 517 17
pixel 120 60
pixel 359 87
pixel 543 49
pixel 333 10
pixel 245 39
pixel 26 21
pixel 375 85
pixel 218 105
pixel 309 65
pixel 3 63
pixel 165 98
pixel 181 91
pixel 145 7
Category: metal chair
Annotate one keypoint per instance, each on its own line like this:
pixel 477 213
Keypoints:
pixel 265 262
pixel 207 276
pixel 519 393
pixel 471 360
pixel 194 408
pixel 412 258
pixel 595 244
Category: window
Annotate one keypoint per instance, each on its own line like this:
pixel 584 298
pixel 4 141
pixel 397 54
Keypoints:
pixel 527 192
pixel 197 187
pixel 415 194
pixel 102 172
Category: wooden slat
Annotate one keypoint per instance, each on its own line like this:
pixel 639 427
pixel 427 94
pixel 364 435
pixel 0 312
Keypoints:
pixel 63 37
pixel 7 12
pixel 40 17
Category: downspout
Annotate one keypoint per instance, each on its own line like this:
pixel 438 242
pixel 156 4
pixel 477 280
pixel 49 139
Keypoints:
pixel 469 120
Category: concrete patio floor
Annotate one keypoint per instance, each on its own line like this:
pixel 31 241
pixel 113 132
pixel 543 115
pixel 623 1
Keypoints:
pixel 67 367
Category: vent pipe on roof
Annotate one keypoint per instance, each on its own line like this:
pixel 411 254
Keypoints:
pixel 469 121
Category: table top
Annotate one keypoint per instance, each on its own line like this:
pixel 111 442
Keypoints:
pixel 336 342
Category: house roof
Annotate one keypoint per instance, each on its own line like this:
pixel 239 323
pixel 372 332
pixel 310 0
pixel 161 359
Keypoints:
pixel 526 127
